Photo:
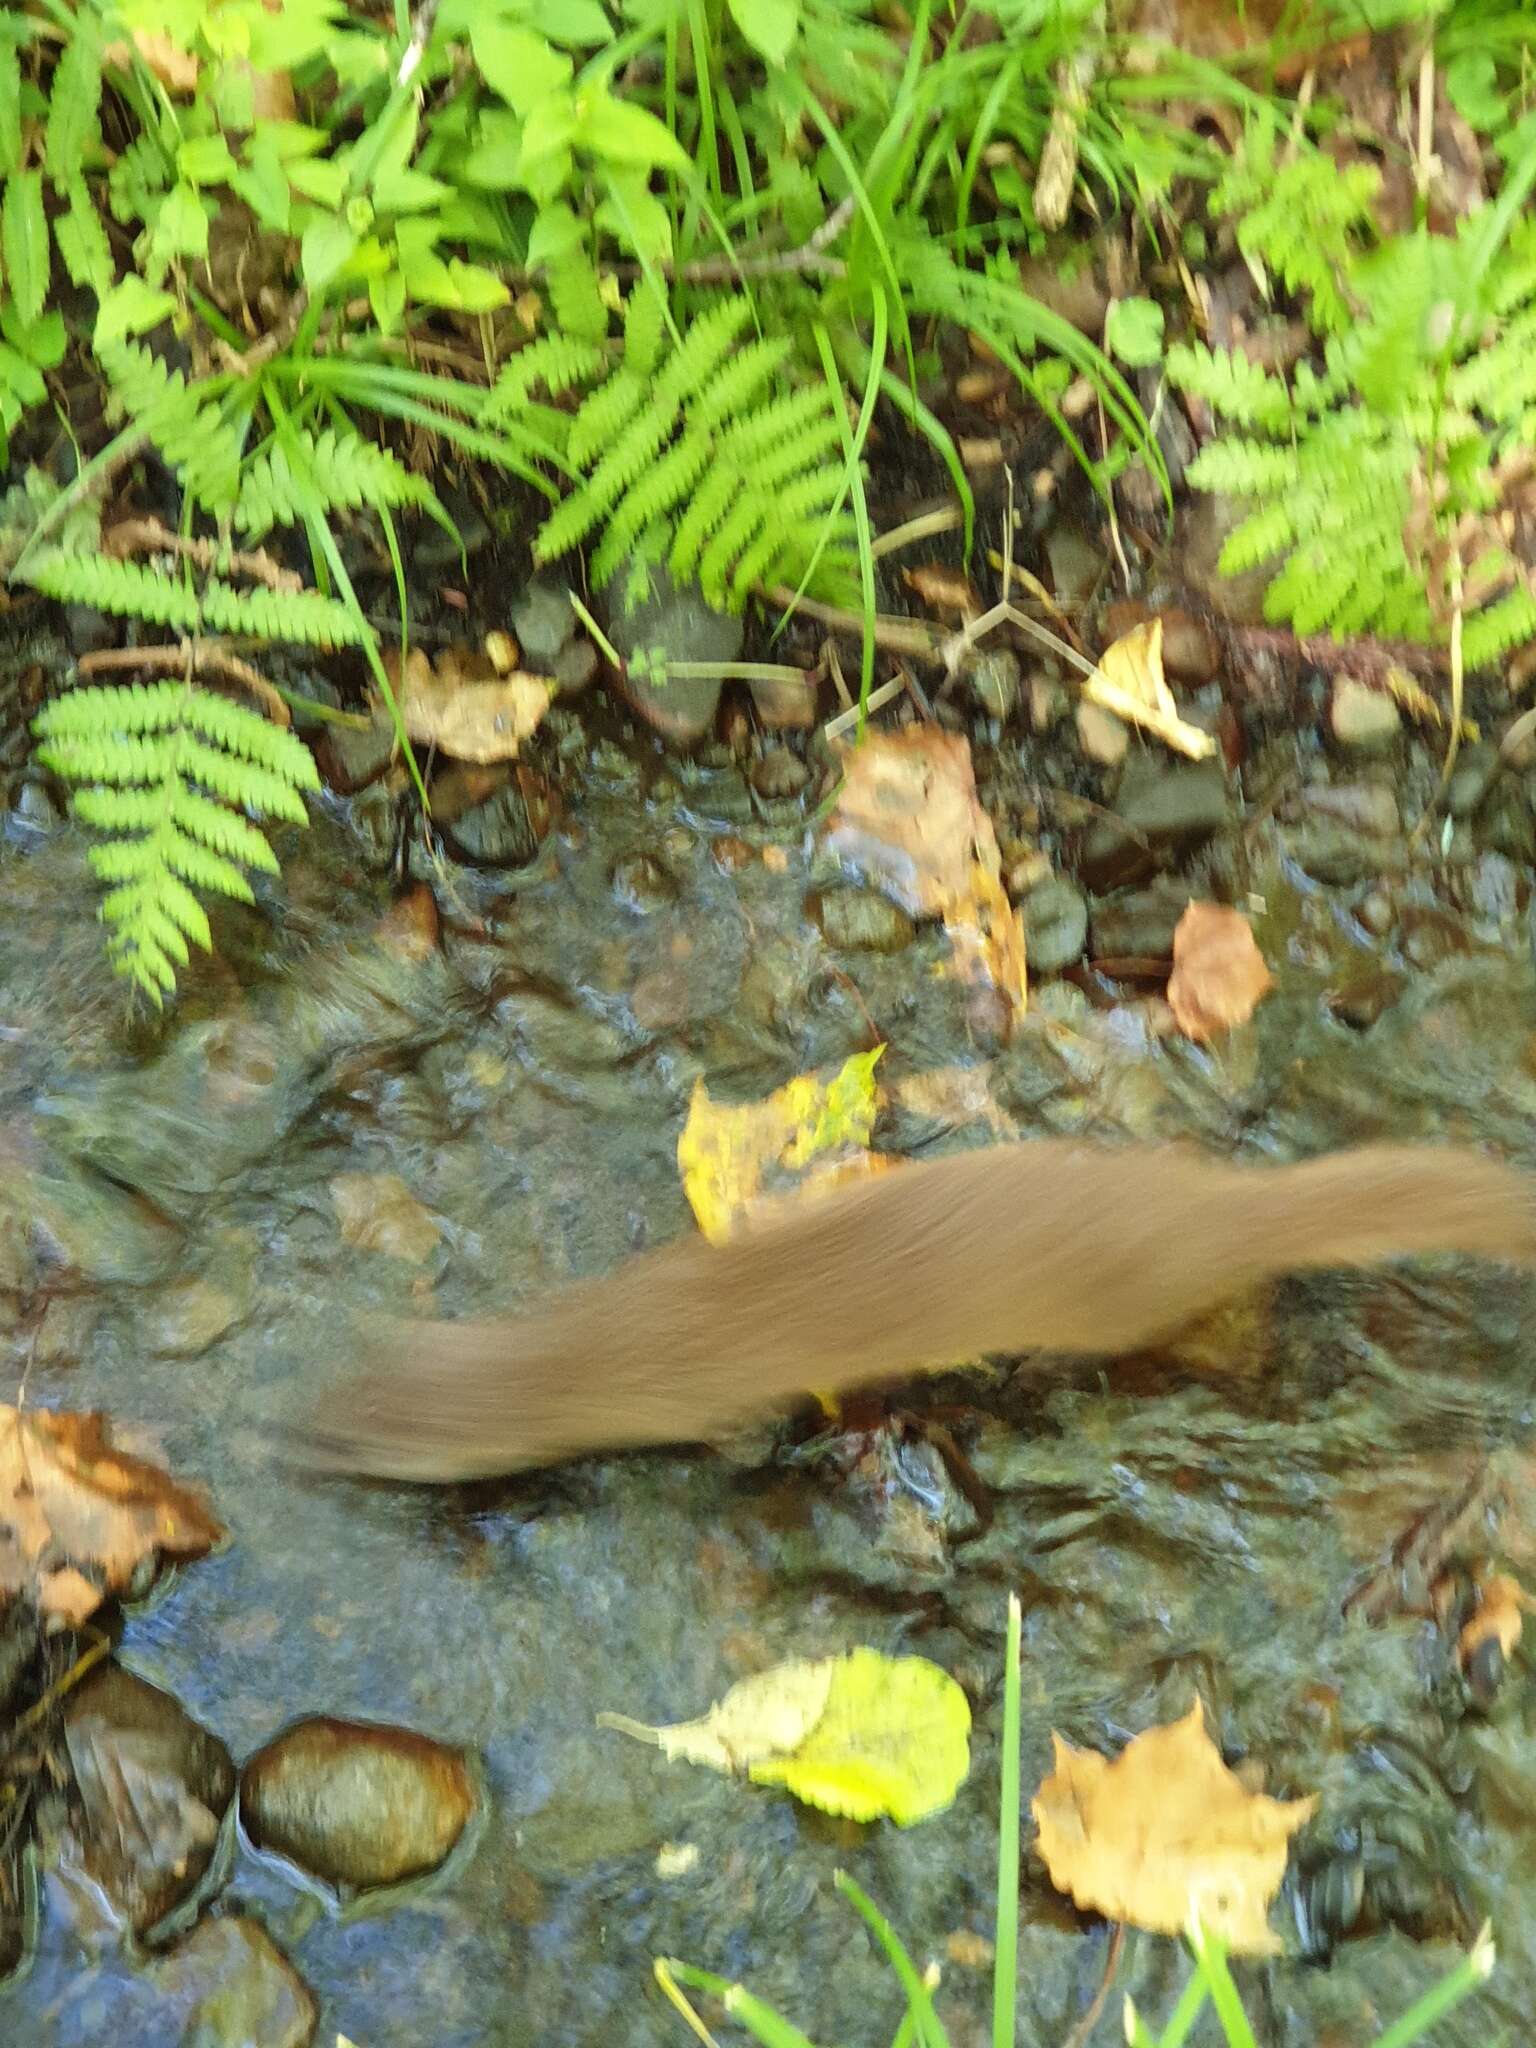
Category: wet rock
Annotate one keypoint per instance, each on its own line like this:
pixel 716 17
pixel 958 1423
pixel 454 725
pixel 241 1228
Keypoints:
pixel 1102 737
pixel 458 787
pixel 34 808
pixel 356 1804
pixel 1139 923
pixel 1167 811
pixel 863 921
pixel 375 819
pixel 1207 523
pixel 1366 996
pixel 1476 771
pixel 1377 912
pixel 779 774
pixel 232 1987
pixel 544 623
pixel 1369 807
pixel 1490 889
pixel 1364 720
pixel 153 1788
pixel 994 681
pixel 640 882
pixel 783 706
pixel 1191 651
pixel 1330 852
pixel 188 1316
pixel 1048 702
pixel 575 668
pixel 1077 566
pixel 1055 925
pixel 493 834
pixel 670 624
pixel 350 758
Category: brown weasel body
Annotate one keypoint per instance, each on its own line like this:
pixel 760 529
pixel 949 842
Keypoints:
pixel 1046 1245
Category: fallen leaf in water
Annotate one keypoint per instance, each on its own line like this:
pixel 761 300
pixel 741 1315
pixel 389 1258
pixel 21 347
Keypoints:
pixel 736 1159
pixel 1219 975
pixel 863 1735
pixel 1166 1832
pixel 1502 1606
pixel 78 1518
pixel 378 1213
pixel 1129 681
pixel 908 817
pixel 468 715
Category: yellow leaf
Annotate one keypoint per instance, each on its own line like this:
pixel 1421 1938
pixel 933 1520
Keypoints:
pixel 1166 1832
pixel 762 1716
pixel 863 1735
pixel 1129 681
pixel 728 1154
pixel 894 1739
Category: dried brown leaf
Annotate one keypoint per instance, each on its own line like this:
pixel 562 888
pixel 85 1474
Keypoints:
pixel 1165 1832
pixel 1219 975
pixel 78 1518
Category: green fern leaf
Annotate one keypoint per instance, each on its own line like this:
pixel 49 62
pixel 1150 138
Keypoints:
pixel 644 325
pixel 605 415
pixel 1232 384
pixel 738 383
pixel 149 763
pixel 73 100
pixel 704 348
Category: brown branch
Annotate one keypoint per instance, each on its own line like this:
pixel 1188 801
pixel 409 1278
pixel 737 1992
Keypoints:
pixel 204 658
pixel 152 536
pixel 811 255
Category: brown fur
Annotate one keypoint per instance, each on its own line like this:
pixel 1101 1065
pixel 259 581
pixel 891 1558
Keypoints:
pixel 1043 1246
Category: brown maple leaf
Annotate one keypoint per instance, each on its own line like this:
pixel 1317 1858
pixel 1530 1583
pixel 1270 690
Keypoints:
pixel 78 1518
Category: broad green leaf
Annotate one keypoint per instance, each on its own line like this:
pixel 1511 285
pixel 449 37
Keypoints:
pixel 262 183
pixel 770 26
pixel 1133 331
pixel 10 109
pixel 326 246
pixel 461 287
pixel 41 341
pixel 24 242
pixel 407 191
pixel 130 307
pixel 205 160
pixel 633 215
pixel 21 379
pixel 579 24
pixel 82 240
pixel 519 64
pixel 494 158
pixel 322 179
pixel 386 296
pixel 181 225
pixel 72 105
pixel 622 133
pixel 555 233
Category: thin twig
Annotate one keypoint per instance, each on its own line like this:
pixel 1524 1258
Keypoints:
pixel 150 536
pixel 836 727
pixel 192 658
pixel 1090 2018
pixel 811 255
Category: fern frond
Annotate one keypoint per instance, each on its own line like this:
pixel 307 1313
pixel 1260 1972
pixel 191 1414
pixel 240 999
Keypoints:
pixel 339 470
pixel 605 414
pixel 137 590
pixel 1232 384
pixel 644 325
pixel 1244 469
pixel 148 762
pixel 704 348
pixel 1506 624
pixel 575 296
pixel 738 383
pixel 556 363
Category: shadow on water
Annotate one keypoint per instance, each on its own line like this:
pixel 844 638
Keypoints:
pixel 170 1195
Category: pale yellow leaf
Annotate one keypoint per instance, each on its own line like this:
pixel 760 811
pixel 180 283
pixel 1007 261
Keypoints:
pixel 1129 681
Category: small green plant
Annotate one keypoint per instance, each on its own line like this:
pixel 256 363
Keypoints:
pixel 168 771
pixel 1380 478
pixel 920 2027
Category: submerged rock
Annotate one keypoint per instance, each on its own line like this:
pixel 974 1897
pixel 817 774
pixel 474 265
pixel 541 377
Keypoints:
pixel 1055 925
pixel 233 1987
pixel 354 1803
pixel 670 624
pixel 153 1788
pixel 1163 813
pixel 863 921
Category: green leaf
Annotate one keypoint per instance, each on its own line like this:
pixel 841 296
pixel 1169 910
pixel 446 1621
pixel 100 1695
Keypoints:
pixel 322 179
pixel 580 24
pixel 1133 331
pixel 556 232
pixel 520 65
pixel 72 105
pixel 181 225
pixel 386 295
pixel 24 242
pixel 408 191
pixel 41 341
pixel 493 161
pixel 325 249
pixel 461 287
pixel 10 109
pixel 205 160
pixel 82 239
pixel 130 307
pixel 634 216
pixel 262 182
pixel 622 133
pixel 770 26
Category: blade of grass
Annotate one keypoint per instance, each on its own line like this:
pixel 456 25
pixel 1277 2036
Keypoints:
pixel 930 2030
pixel 1006 1966
pixel 760 2020
pixel 853 482
pixel 1474 1968
pixel 1211 1962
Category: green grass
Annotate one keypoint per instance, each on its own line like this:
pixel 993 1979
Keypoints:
pixel 1210 1982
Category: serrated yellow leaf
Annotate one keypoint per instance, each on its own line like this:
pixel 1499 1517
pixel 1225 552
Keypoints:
pixel 893 1740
